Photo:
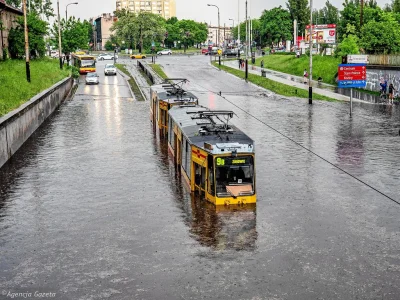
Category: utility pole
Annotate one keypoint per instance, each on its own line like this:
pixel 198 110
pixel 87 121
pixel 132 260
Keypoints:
pixel 311 47
pixel 247 47
pixel 361 13
pixel 238 27
pixel 59 34
pixel 28 70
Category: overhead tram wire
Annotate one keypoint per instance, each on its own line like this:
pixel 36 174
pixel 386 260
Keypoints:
pixel 300 145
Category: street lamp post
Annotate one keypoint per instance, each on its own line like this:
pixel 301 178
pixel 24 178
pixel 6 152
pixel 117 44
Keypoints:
pixel 66 14
pixel 233 25
pixel 218 22
pixel 59 34
pixel 28 70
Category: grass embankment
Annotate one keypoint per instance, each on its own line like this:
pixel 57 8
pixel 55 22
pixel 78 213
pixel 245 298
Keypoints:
pixel 132 82
pixel 14 88
pixel 160 72
pixel 276 87
pixel 323 66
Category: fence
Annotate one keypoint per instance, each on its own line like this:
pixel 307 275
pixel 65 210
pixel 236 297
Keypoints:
pixel 384 60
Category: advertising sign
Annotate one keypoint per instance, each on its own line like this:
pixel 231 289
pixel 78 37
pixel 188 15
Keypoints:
pixel 352 75
pixel 322 34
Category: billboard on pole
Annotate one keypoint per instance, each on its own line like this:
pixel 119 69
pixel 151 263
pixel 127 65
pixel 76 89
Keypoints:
pixel 322 34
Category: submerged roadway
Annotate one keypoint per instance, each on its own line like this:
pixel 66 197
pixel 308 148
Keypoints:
pixel 91 207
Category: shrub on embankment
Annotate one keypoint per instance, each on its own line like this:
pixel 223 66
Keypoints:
pixel 14 88
pixel 323 66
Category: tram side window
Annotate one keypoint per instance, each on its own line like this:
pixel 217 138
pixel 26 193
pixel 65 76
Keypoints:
pixel 189 159
pixel 183 153
pixel 211 187
pixel 171 135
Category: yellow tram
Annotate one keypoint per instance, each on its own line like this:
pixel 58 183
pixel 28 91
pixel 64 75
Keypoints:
pixel 214 157
pixel 163 97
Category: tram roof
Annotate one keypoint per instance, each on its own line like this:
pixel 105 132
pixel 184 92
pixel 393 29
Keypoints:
pixel 164 95
pixel 183 117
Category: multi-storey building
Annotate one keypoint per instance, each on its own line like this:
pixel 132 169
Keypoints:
pixel 8 17
pixel 164 8
pixel 225 35
pixel 101 30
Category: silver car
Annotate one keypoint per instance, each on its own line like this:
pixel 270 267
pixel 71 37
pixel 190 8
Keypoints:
pixel 110 69
pixel 92 78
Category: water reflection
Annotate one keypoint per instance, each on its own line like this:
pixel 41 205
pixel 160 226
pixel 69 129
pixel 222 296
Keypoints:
pixel 220 228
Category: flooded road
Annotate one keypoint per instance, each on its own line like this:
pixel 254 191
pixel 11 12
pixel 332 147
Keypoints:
pixel 91 207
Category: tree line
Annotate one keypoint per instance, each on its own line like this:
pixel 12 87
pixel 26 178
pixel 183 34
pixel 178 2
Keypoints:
pixel 367 28
pixel 146 30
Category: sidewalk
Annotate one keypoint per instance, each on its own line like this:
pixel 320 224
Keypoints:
pixel 318 87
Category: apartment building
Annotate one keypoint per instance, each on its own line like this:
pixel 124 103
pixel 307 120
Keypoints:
pixel 102 29
pixel 164 8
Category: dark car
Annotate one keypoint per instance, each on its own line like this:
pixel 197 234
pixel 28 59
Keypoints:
pixel 230 52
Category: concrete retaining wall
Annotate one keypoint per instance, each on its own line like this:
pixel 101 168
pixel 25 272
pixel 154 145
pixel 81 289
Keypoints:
pixel 375 74
pixel 17 126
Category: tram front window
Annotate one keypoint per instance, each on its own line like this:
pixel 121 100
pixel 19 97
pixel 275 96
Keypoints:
pixel 234 172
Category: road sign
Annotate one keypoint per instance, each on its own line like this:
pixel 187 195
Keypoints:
pixel 219 51
pixel 357 59
pixel 352 75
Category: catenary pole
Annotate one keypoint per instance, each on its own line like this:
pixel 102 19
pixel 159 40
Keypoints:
pixel 311 47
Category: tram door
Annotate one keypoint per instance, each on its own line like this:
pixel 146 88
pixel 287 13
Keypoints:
pixel 178 150
pixel 199 178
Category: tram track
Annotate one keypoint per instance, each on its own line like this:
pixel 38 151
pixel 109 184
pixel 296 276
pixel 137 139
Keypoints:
pixel 220 94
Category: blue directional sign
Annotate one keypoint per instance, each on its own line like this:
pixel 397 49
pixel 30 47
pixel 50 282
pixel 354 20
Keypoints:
pixel 352 83
pixel 352 75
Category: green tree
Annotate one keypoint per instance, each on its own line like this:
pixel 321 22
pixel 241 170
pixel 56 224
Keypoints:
pixel 276 25
pixel 396 6
pixel 349 45
pixel 40 7
pixel 74 35
pixel 300 11
pixel 349 15
pixel 37 29
pixel 377 38
pixel 109 46
pixel 330 13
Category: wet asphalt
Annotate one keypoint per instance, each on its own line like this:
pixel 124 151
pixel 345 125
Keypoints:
pixel 92 208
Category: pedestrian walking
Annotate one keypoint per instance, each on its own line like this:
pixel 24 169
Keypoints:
pixel 391 93
pixel 262 63
pixel 240 63
pixel 305 76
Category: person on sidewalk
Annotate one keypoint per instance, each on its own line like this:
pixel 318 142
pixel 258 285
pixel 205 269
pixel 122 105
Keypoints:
pixel 391 93
pixel 240 63
pixel 305 76
pixel 262 64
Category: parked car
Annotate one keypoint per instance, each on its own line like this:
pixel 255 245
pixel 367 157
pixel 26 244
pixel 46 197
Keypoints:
pixel 110 69
pixel 164 52
pixel 204 51
pixel 106 56
pixel 133 56
pixel 92 78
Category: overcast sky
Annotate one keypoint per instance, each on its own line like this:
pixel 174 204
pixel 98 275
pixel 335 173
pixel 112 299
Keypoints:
pixel 191 9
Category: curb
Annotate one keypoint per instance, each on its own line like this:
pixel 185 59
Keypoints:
pixel 126 77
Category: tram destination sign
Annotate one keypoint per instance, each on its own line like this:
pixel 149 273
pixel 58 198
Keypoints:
pixel 352 75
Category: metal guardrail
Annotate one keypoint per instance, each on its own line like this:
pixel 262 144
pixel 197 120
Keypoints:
pixel 147 72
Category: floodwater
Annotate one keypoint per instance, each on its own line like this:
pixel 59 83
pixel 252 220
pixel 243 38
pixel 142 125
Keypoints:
pixel 92 208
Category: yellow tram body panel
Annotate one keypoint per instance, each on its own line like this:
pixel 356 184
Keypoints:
pixel 220 164
pixel 163 97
